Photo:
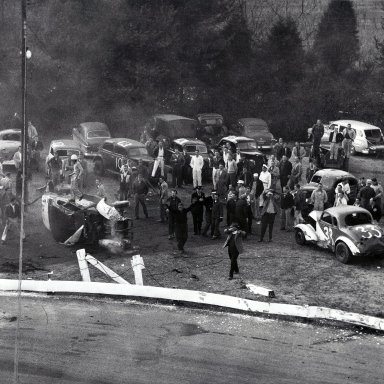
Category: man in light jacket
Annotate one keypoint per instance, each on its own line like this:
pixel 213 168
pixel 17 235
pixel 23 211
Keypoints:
pixel 197 163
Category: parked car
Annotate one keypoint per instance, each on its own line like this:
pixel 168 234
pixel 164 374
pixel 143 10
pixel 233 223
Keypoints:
pixel 211 127
pixel 11 135
pixel 171 127
pixel 247 146
pixel 191 145
pixel 330 178
pixel 256 129
pixel 369 138
pixel 10 141
pixel 345 230
pixel 90 136
pixel 326 162
pixel 65 149
pixel 115 152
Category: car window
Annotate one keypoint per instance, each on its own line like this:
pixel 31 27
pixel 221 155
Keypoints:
pixel 140 151
pixel 247 145
pixel 11 136
pixel 254 128
pixel 372 133
pixel 193 147
pixel 67 152
pixel 357 218
pixel 316 179
pixel 108 146
pixel 120 150
pixel 100 133
pixel 327 218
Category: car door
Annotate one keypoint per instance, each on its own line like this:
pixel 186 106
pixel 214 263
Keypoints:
pixel 327 229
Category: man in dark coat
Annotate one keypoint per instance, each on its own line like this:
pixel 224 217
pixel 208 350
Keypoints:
pixel 186 169
pixel 285 171
pixel 177 161
pixel 285 151
pixel 217 216
pixel 256 191
pixel 366 193
pixel 242 212
pixel 286 205
pixel 181 225
pixel 12 219
pixel 197 200
pixel 140 190
pixel 208 203
pixel 231 208
pixel 235 247
pixel 317 134
pixel 172 204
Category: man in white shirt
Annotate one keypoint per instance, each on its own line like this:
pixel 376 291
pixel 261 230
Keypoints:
pixel 225 154
pixel 17 159
pixel 266 179
pixel 159 154
pixel 197 163
pixel 232 170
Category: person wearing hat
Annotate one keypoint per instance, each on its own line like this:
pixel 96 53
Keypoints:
pixel 240 189
pixel 75 177
pixel 197 209
pixel 265 178
pixel 181 225
pixel 241 213
pixel 275 174
pixel 256 191
pixel 217 217
pixel 268 213
pixel 197 163
pixel 177 161
pixel 234 244
pixel 366 193
pixel 172 204
pixel 55 168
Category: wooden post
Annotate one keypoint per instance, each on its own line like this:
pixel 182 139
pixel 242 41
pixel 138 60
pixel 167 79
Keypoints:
pixel 103 268
pixel 137 265
pixel 83 265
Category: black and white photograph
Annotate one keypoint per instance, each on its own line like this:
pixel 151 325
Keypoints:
pixel 191 191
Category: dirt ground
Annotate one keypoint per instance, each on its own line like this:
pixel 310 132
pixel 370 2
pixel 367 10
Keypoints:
pixel 298 275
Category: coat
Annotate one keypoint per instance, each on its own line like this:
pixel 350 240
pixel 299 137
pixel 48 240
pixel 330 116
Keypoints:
pixel 238 239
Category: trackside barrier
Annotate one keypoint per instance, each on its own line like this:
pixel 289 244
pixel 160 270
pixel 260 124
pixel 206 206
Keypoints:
pixel 131 290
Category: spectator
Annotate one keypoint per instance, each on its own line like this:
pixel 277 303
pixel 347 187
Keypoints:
pixel 357 202
pixel 335 138
pixel 299 204
pixel 256 190
pixel 366 193
pixel 231 208
pixel 278 149
pixel 237 156
pixel 19 184
pixel 298 151
pixel 140 190
pixel 142 169
pixel 225 155
pixel 75 178
pixel 285 151
pixel 232 170
pixel 172 203
pixel 319 198
pixel 217 216
pixel 159 156
pixel 241 213
pixel 317 134
pixel 197 163
pixel 17 158
pixel 83 181
pixel 375 210
pixel 55 168
pixel 349 135
pixel 215 161
pixel 177 161
pixel 265 178
pixel 221 182
pixel 268 213
pixel 187 171
pixel 275 174
pixel 297 170
pixel 163 186
pixel 6 182
pixel 12 219
pixel 285 171
pixel 235 247
pixel 286 205
pixel 311 170
pixel 208 203
pixel 340 199
pixel 197 209
pixel 240 189
pixel 378 190
pixel 346 189
pixel 181 225
pixel 272 160
pixel 250 203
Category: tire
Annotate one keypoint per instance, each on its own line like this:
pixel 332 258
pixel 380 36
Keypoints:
pixel 300 237
pixel 98 167
pixel 343 253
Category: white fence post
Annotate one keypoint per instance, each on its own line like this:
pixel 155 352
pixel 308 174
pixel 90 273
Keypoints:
pixel 137 265
pixel 83 265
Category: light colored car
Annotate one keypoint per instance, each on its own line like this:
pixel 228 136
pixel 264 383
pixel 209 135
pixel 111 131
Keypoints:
pixel 65 148
pixel 345 230
pixel 90 136
pixel 10 141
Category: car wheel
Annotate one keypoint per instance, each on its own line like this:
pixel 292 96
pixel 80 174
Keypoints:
pixel 98 167
pixel 343 253
pixel 300 237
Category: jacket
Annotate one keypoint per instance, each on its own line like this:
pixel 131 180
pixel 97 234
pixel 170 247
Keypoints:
pixel 286 201
pixel 275 199
pixel 12 212
pixel 217 210
pixel 238 235
pixel 339 137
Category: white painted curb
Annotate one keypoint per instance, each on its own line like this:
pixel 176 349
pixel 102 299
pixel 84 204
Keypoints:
pixel 308 312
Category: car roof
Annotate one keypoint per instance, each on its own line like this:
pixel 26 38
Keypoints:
pixel 354 124
pixel 236 139
pixel 94 125
pixel 169 117
pixel 343 210
pixel 184 141
pixel 333 172
pixel 253 120
pixel 10 130
pixel 214 115
pixel 128 142
pixel 65 143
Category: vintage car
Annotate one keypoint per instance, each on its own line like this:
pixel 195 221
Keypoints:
pixel 247 146
pixel 10 141
pixel 211 127
pixel 191 145
pixel 11 135
pixel 345 230
pixel 90 136
pixel 171 127
pixel 256 129
pixel 115 152
pixel 369 138
pixel 330 178
pixel 65 149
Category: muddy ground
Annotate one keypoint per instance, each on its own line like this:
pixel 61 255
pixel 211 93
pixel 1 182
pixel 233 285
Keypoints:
pixel 298 275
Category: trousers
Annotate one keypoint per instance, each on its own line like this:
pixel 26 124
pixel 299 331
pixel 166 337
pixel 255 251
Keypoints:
pixel 267 220
pixel 159 162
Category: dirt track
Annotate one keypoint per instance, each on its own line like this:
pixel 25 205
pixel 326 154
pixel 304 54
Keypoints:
pixel 298 275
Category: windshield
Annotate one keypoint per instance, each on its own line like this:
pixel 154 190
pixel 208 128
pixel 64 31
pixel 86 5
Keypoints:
pixel 192 148
pixel 372 133
pixel 256 128
pixel 325 180
pixel 137 152
pixel 98 134
pixel 357 218
pixel 67 152
pixel 244 145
